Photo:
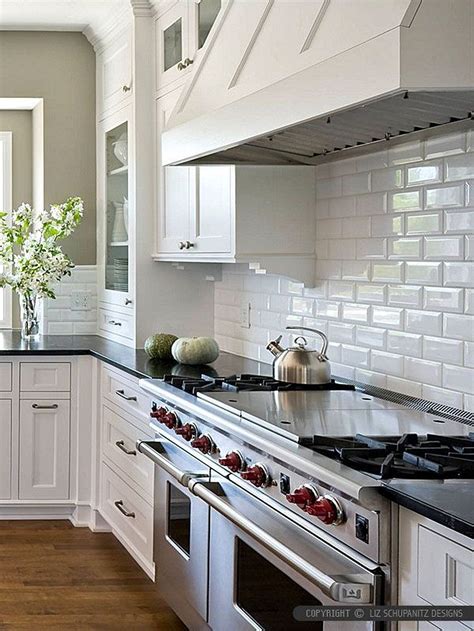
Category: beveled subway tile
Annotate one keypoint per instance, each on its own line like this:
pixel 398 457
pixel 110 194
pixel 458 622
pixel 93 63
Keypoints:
pixel 405 248
pixel 444 196
pixel 406 153
pixel 357 184
pixel 442 349
pixel 341 332
pixel 302 306
pixel 330 187
pixel 342 249
pixel 469 301
pixel 441 395
pixel 387 179
pixel 421 272
pixel 404 343
pixel 355 270
pixel 390 363
pixel 387 317
pixel 458 327
pixel 328 228
pixel 328 270
pixel 320 291
pixel 384 271
pixel 371 161
pixel 404 386
pixel 371 204
pixel 444 248
pixel 443 299
pixel 387 225
pixel 371 378
pixel 469 249
pixel 426 173
pixel 374 248
pixel 469 354
pixel 459 220
pixel 371 293
pixel 370 336
pixel 457 378
pixel 459 167
pixel 405 296
pixel 355 356
pixel 355 312
pixel 442 146
pixel 342 207
pixel 327 309
pixel 459 274
pixel 356 227
pixel 426 322
pixel 424 223
pixel 341 290
pixel 422 370
pixel 405 201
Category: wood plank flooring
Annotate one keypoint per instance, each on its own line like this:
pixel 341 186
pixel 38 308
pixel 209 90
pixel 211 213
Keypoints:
pixel 55 576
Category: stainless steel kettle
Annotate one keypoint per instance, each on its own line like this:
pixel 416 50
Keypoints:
pixel 299 365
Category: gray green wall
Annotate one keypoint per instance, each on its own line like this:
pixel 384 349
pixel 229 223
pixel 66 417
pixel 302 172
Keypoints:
pixel 60 68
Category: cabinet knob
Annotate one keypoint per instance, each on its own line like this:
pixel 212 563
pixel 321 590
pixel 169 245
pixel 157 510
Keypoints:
pixel 126 88
pixel 115 323
pixel 128 301
pixel 185 63
pixel 188 245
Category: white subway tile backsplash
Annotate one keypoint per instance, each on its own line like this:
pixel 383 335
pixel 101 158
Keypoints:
pixel 425 273
pixel 427 322
pixel 389 363
pixel 387 317
pixel 422 371
pixel 405 296
pixel 457 378
pixel 459 167
pixel 445 196
pixel 442 349
pixel 357 184
pixel 444 248
pixel 404 343
pixel 387 272
pixel 459 221
pixel 459 274
pixel 387 179
pixel 387 225
pixel 427 173
pixel 443 299
pixel 395 256
pixel 405 248
pixel 458 327
pixel 371 248
pixel 424 223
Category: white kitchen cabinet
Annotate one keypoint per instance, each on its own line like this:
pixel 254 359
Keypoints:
pixel 45 377
pixel 114 73
pixel 5 449
pixel 180 33
pixel 44 449
pixel 5 376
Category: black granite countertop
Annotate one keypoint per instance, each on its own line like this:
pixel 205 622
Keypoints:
pixel 447 503
pixel 450 503
pixel 133 361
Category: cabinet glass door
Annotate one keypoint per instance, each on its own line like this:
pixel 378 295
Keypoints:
pixel 117 194
pixel 207 13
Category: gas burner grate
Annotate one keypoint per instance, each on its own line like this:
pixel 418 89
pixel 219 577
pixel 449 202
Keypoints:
pixel 406 456
pixel 238 383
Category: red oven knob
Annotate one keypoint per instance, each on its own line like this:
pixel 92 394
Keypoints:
pixel 327 509
pixel 303 496
pixel 158 413
pixel 187 431
pixel 233 461
pixel 204 443
pixel 257 475
pixel 170 420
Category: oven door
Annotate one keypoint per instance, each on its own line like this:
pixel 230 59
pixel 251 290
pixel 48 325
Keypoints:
pixel 181 527
pixel 262 566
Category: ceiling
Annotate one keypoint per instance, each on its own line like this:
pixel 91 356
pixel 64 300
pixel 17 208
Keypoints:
pixel 71 15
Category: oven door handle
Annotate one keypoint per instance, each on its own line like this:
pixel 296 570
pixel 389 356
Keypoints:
pixel 155 452
pixel 337 588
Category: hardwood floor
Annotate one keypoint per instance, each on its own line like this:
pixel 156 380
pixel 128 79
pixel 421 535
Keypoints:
pixel 55 576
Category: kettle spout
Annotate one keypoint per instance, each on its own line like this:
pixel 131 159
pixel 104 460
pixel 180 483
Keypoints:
pixel 275 348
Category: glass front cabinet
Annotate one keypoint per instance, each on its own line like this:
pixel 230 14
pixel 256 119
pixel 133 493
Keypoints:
pixel 115 224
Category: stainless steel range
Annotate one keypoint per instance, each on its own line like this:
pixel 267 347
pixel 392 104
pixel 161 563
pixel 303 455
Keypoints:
pixel 267 495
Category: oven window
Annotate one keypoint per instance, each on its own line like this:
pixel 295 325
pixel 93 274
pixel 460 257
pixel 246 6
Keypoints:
pixel 179 518
pixel 268 595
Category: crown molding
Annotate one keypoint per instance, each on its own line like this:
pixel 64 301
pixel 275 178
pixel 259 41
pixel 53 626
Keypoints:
pixel 142 8
pixel 100 34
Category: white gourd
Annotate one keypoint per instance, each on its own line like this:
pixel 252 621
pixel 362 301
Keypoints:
pixel 195 350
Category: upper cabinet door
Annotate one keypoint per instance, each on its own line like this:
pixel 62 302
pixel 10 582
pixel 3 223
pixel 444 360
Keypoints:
pixel 172 46
pixel 201 20
pixel 173 191
pixel 114 74
pixel 213 210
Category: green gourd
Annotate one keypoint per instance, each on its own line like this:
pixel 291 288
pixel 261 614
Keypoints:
pixel 158 346
pixel 195 350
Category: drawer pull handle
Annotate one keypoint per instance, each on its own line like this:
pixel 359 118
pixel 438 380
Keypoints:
pixel 121 445
pixel 53 406
pixel 124 511
pixel 122 395
pixel 115 323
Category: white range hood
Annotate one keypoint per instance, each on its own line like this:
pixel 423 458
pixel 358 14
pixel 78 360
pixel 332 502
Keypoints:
pixel 295 81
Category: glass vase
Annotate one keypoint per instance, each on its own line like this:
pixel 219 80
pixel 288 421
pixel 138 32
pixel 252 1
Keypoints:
pixel 30 316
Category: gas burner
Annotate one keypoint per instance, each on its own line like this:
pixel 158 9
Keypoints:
pixel 406 456
pixel 238 383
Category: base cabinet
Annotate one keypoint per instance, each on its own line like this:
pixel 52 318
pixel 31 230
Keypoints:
pixel 5 449
pixel 44 449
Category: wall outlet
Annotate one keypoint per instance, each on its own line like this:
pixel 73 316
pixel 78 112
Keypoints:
pixel 245 314
pixel 80 300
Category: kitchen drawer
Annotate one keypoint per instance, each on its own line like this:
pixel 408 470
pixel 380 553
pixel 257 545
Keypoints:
pixel 128 514
pixel 5 377
pixel 119 438
pixel 117 323
pixel 125 393
pixel 445 570
pixel 45 377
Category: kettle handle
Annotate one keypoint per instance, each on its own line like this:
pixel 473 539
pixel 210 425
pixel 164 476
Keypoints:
pixel 324 347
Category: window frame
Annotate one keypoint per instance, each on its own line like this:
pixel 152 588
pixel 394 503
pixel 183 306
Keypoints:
pixel 6 205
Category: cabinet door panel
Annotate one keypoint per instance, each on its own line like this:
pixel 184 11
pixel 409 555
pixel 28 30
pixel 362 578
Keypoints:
pixel 44 449
pixel 5 449
pixel 172 45
pixel 212 221
pixel 115 73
